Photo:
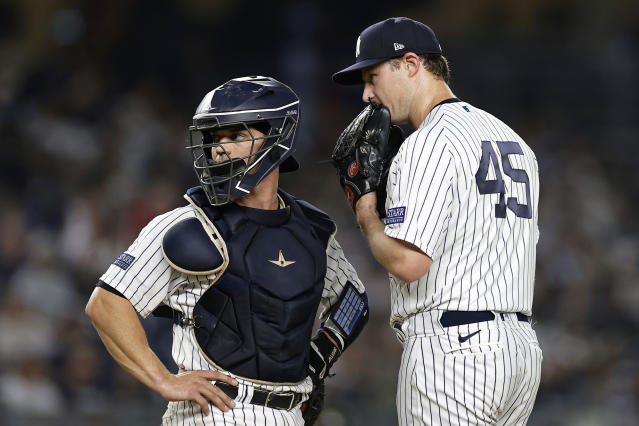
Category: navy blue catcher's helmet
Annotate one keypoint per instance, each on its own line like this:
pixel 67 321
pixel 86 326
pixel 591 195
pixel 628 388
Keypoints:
pixel 247 103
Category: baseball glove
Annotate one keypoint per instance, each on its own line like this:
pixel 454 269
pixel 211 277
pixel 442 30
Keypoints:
pixel 313 406
pixel 363 154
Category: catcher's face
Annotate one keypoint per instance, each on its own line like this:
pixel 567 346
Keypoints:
pixel 386 85
pixel 236 142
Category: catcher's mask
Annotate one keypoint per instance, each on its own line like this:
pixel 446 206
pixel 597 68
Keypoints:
pixel 244 105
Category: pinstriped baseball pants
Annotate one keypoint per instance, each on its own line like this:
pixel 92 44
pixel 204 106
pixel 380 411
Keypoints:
pixel 485 373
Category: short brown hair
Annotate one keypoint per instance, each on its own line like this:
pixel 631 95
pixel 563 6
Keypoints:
pixel 434 63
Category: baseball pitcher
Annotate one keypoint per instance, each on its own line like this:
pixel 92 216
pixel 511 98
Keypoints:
pixel 451 214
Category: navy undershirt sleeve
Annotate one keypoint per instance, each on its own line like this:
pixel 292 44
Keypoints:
pixel 108 288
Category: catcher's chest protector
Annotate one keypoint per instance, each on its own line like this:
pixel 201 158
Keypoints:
pixel 256 320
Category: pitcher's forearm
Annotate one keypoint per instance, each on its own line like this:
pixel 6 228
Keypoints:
pixel 402 259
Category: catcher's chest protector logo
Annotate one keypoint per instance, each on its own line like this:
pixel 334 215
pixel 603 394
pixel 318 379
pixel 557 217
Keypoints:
pixel 281 261
pixel 353 169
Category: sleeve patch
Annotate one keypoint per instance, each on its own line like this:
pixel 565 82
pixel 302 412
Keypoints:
pixel 395 215
pixel 124 261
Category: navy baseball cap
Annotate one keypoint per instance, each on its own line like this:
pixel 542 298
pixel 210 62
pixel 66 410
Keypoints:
pixel 385 40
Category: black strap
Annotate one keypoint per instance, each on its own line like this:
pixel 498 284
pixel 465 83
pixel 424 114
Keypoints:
pixel 522 317
pixel 277 400
pixel 165 311
pixel 453 318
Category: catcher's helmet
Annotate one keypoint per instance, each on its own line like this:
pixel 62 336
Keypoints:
pixel 257 102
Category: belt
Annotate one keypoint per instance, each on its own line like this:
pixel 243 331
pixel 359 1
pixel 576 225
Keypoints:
pixel 278 400
pixel 453 318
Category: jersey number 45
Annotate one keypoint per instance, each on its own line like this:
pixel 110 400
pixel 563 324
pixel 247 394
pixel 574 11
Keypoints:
pixel 496 186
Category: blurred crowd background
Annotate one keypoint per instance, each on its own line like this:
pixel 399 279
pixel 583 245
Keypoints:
pixel 95 101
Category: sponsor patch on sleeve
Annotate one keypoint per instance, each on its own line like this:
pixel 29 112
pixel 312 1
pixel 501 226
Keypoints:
pixel 124 261
pixel 395 215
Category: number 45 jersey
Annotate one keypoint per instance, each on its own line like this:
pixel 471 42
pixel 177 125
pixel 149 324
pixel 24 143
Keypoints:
pixel 464 188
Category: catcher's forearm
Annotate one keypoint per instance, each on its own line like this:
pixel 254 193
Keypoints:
pixel 402 259
pixel 121 332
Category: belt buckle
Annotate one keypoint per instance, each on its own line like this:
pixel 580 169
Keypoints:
pixel 271 393
pixel 292 395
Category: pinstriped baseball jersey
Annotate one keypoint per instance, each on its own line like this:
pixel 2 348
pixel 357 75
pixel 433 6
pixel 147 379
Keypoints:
pixel 146 279
pixel 464 188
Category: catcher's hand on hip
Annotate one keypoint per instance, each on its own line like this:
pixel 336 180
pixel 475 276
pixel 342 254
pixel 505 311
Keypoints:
pixel 363 153
pixel 196 386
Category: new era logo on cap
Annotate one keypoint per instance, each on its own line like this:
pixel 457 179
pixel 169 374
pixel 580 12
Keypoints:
pixel 385 40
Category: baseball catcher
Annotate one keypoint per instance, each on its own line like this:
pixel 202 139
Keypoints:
pixel 363 153
pixel 242 271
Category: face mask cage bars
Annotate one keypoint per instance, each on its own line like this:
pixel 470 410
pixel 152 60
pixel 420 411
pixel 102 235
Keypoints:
pixel 222 181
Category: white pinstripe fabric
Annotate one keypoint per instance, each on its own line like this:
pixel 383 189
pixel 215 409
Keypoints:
pixel 480 263
pixel 150 280
pixel 490 379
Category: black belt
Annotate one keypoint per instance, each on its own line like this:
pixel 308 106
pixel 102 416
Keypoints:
pixel 278 400
pixel 453 318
